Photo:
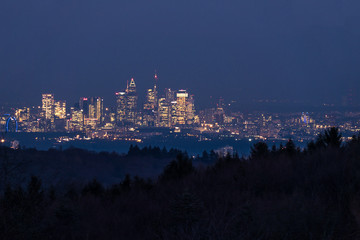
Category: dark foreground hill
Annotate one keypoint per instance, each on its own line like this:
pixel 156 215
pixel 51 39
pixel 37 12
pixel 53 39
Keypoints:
pixel 278 193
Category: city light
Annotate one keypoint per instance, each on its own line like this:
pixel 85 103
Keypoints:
pixel 174 110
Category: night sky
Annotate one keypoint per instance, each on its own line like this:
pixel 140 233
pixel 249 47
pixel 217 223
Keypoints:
pixel 304 50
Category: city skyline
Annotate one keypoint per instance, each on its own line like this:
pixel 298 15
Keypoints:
pixel 297 51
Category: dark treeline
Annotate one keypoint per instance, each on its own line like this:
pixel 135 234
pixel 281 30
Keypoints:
pixel 57 166
pixel 276 193
pixel 153 151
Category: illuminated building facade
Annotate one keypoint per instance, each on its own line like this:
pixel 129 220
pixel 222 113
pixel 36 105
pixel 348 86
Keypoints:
pixel 169 95
pixel 181 99
pixel 98 103
pixel 151 106
pixel 164 118
pixel 93 108
pixel 120 107
pixel 150 100
pixel 190 110
pixel 22 114
pixel 48 106
pixel 173 113
pixel 60 109
pixel 84 105
pixel 131 102
pixel 76 122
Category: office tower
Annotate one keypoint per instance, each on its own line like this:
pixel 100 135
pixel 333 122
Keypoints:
pixel 99 108
pixel 120 107
pixel 150 100
pixel 152 96
pixel 84 105
pixel 164 119
pixel 190 110
pixel 185 110
pixel 92 111
pixel 169 95
pixel 173 113
pixel 60 109
pixel 48 106
pixel 181 99
pixel 93 108
pixel 77 119
pixel 131 102
pixel 151 106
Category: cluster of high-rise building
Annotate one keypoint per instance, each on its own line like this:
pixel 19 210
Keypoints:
pixel 170 109
pixel 174 108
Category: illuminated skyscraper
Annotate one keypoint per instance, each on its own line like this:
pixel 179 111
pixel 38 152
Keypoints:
pixel 96 108
pixel 93 108
pixel 164 119
pixel 60 109
pixel 151 105
pixel 150 100
pixel 152 96
pixel 131 102
pixel 190 110
pixel 120 106
pixel 48 106
pixel 99 108
pixel 185 110
pixel 181 99
pixel 173 113
pixel 77 120
pixel 84 105
pixel 92 111
pixel 169 95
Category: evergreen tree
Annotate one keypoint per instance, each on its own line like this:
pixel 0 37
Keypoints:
pixel 259 150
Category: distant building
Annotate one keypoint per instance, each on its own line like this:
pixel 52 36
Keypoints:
pixel 48 106
pixel 120 107
pixel 151 97
pixel 76 122
pixel 151 106
pixel 60 109
pixel 169 95
pixel 185 110
pixel 84 105
pixel 22 114
pixel 164 110
pixel 181 109
pixel 131 102
pixel 93 108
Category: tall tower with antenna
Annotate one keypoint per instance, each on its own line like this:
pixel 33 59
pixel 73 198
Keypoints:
pixel 131 102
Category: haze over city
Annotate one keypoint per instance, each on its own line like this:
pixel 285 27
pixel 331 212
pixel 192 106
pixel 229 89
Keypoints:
pixel 299 50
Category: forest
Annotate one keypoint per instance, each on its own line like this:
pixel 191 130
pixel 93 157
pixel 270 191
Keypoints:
pixel 274 193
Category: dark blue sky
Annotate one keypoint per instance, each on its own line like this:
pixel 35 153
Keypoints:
pixel 286 49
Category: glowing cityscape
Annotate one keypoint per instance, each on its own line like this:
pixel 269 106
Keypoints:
pixel 173 112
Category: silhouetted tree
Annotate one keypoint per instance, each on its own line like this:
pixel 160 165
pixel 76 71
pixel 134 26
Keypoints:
pixel 94 187
pixel 205 155
pixel 259 150
pixel 178 168
pixel 34 191
pixel 332 137
pixel 290 147
pixel 126 183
